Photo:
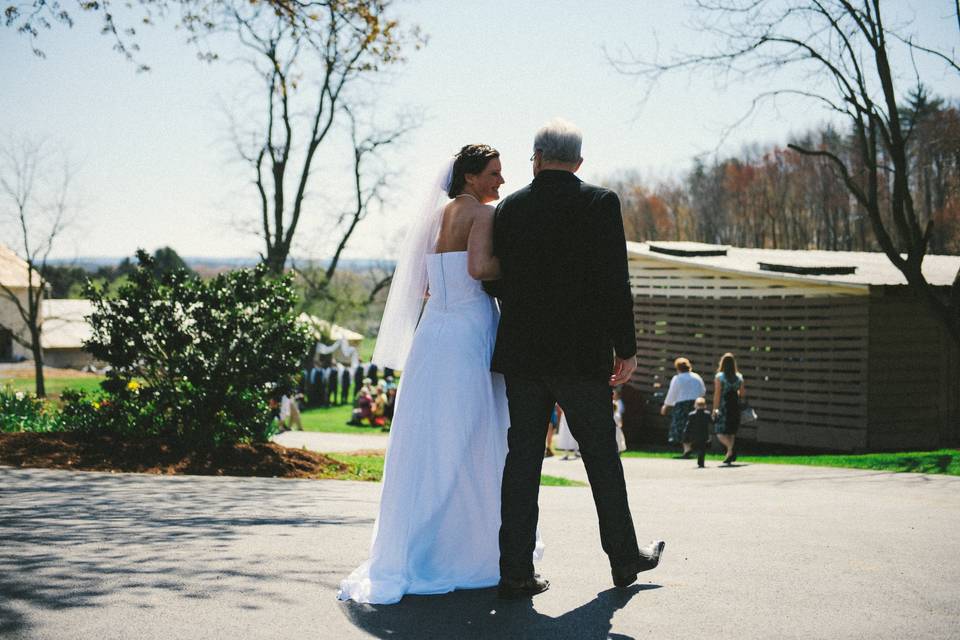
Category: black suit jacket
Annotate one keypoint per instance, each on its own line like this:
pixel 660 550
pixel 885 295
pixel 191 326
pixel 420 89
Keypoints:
pixel 565 292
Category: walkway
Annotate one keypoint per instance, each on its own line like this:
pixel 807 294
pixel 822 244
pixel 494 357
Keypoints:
pixel 756 551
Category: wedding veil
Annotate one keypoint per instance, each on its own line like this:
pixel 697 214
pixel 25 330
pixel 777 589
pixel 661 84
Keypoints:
pixel 409 285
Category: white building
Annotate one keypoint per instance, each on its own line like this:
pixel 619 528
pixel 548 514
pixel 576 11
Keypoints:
pixel 837 351
pixel 65 327
pixel 13 277
pixel 64 321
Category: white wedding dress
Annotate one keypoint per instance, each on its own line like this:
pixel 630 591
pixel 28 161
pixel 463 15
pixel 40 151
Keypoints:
pixel 440 504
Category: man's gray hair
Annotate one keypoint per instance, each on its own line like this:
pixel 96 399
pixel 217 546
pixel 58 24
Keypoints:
pixel 559 141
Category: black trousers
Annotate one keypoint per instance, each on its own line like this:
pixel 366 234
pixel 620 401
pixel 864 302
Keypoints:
pixel 701 449
pixel 588 407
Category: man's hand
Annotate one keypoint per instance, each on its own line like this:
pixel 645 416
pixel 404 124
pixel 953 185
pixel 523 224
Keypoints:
pixel 622 370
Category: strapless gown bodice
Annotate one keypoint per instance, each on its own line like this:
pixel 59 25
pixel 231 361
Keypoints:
pixel 450 284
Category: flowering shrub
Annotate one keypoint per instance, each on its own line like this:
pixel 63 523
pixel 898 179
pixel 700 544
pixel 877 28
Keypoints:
pixel 189 357
pixel 21 411
pixel 122 412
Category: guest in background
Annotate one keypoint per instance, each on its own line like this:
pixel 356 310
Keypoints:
pixel 618 420
pixel 729 392
pixel 323 391
pixel 358 375
pixel 379 418
pixel 367 387
pixel 564 439
pixel 372 372
pixel 333 383
pixel 364 411
pixel 283 408
pixel 685 388
pixel 313 386
pixel 345 386
pixel 698 429
pixel 337 377
pixel 290 412
pixel 391 401
pixel 548 451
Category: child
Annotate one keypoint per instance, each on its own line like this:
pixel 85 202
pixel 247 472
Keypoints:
pixel 698 429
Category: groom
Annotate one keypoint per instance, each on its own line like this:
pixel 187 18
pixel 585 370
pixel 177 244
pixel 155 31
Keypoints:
pixel 566 335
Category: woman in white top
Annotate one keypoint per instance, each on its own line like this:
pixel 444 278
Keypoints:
pixel 685 388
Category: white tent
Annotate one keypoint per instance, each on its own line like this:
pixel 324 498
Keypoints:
pixel 335 332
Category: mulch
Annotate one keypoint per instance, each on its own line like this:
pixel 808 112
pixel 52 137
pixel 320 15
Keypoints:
pixel 102 452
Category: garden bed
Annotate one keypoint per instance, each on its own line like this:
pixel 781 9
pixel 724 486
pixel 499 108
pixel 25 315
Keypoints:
pixel 65 450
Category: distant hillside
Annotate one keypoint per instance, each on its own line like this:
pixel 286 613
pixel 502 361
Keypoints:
pixel 205 265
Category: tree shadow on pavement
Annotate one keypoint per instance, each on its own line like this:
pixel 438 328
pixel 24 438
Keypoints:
pixel 478 613
pixel 79 540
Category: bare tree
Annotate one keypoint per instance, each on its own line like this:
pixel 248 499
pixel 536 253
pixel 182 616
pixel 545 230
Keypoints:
pixel 844 48
pixel 353 42
pixel 371 175
pixel 35 208
pixel 120 21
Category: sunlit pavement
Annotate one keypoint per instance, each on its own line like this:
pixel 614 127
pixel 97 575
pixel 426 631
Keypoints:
pixel 755 551
pixel 331 442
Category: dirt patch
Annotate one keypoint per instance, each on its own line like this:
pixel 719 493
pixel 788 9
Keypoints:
pixel 367 453
pixel 153 455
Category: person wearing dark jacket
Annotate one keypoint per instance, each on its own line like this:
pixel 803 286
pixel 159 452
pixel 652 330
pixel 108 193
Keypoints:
pixel 345 386
pixel 697 431
pixel 560 244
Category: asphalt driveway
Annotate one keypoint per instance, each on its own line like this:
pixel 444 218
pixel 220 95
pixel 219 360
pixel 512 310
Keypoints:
pixel 756 551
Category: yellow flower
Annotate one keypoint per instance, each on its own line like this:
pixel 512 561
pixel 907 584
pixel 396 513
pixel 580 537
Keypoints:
pixel 133 385
pixel 96 406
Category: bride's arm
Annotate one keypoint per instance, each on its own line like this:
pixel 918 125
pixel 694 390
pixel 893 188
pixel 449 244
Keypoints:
pixel 481 263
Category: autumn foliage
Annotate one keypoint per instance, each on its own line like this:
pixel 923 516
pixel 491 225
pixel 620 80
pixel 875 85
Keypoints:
pixel 774 197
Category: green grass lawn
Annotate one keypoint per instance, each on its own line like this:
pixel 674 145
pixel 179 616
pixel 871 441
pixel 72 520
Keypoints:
pixel 945 461
pixel 334 420
pixel 371 468
pixel 54 386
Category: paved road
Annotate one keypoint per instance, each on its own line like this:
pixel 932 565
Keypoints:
pixel 756 551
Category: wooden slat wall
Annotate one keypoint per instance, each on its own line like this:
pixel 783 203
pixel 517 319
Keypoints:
pixel 652 277
pixel 802 349
pixel 914 375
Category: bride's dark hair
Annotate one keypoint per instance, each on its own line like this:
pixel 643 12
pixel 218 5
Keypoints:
pixel 473 158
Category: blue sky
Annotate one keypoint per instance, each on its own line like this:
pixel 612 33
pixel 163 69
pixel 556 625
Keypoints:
pixel 156 165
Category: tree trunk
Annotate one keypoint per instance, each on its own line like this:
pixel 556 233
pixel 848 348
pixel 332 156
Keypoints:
pixel 276 259
pixel 37 350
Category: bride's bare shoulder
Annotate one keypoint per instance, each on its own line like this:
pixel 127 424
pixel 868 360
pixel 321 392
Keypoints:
pixel 481 211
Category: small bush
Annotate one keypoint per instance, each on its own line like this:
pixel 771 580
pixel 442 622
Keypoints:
pixel 22 411
pixel 191 358
pixel 124 411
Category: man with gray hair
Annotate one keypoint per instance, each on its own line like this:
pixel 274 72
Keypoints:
pixel 566 336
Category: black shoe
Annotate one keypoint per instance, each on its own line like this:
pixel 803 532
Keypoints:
pixel 686 455
pixel 733 458
pixel 511 588
pixel 649 558
pixel 728 460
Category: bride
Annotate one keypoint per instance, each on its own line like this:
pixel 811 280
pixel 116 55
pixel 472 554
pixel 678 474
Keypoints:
pixel 440 504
